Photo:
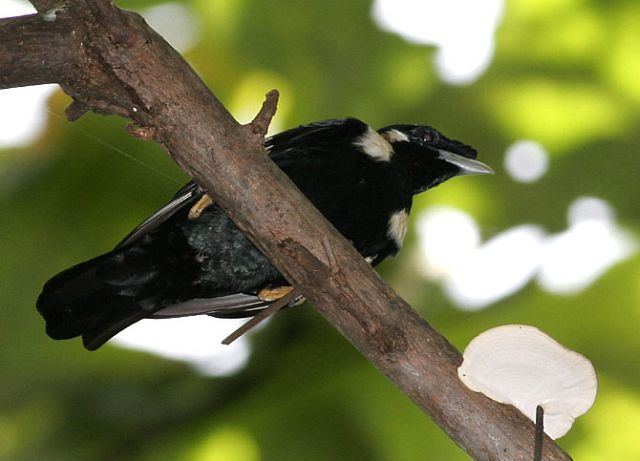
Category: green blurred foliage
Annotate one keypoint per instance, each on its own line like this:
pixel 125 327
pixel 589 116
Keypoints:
pixel 565 74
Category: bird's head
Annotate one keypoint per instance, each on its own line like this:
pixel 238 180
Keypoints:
pixel 430 157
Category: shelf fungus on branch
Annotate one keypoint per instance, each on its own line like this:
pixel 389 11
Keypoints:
pixel 522 366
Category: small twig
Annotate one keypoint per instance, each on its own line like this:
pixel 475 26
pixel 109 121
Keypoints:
pixel 262 315
pixel 75 110
pixel 260 124
pixel 537 453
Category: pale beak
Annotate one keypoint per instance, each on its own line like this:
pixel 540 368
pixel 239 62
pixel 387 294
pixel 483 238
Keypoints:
pixel 467 166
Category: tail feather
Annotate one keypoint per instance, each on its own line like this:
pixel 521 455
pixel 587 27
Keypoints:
pixel 77 302
pixel 112 320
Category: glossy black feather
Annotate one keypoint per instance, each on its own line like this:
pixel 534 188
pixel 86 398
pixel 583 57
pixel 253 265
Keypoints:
pixel 172 266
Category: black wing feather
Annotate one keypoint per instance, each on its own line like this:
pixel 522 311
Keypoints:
pixel 319 134
pixel 230 304
pixel 304 136
pixel 185 197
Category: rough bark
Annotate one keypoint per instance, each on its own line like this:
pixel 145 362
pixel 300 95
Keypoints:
pixel 110 61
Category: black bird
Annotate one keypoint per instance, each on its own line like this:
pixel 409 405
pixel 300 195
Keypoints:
pixel 189 258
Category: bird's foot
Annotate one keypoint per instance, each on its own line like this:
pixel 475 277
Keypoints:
pixel 274 293
pixel 201 205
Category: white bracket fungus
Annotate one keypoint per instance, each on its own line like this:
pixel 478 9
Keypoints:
pixel 522 366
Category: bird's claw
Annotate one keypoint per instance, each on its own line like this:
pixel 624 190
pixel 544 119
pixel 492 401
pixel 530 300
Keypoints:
pixel 201 205
pixel 270 294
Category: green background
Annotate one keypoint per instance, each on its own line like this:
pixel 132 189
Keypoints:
pixel 566 73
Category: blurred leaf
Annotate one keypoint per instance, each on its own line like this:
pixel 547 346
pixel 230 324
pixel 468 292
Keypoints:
pixel 560 115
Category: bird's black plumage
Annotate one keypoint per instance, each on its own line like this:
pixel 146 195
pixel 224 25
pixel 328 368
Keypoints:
pixel 176 263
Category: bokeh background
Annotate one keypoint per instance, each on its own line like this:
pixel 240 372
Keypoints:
pixel 547 90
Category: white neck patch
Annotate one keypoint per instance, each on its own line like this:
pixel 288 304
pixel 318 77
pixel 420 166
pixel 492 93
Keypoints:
pixel 375 145
pixel 394 135
pixel 397 227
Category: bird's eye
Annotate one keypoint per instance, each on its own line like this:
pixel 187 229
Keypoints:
pixel 427 137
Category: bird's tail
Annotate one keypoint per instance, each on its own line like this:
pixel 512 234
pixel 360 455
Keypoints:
pixel 77 302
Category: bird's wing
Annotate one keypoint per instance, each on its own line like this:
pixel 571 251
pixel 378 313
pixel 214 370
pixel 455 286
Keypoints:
pixel 309 136
pixel 186 196
pixel 236 305
pixel 327 132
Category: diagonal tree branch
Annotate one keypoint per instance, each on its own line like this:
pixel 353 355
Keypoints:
pixel 108 60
